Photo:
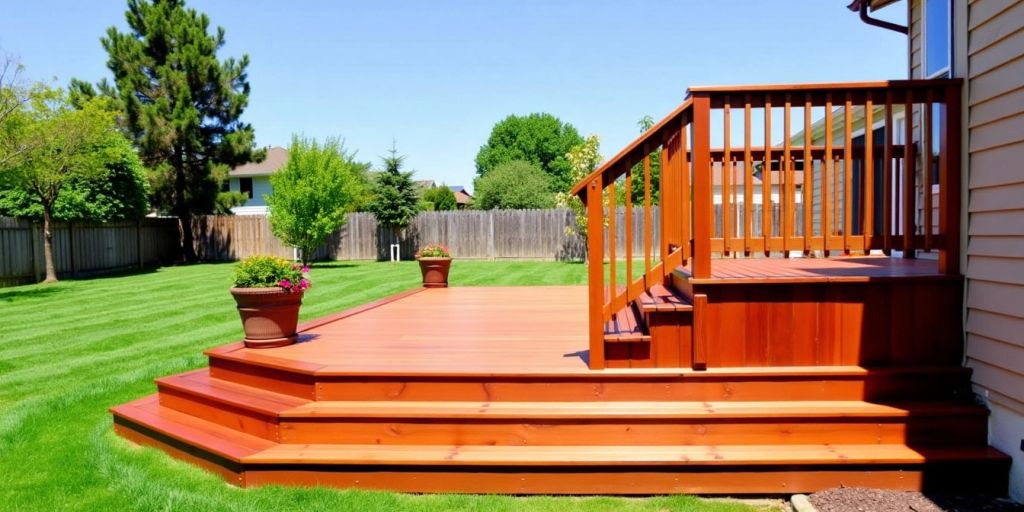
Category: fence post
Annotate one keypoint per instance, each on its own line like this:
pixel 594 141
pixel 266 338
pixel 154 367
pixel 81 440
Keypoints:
pixel 138 242
pixel 490 237
pixel 71 250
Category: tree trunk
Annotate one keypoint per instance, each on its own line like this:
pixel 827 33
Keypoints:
pixel 188 246
pixel 51 269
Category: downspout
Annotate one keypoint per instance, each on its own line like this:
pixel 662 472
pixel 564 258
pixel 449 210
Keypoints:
pixel 862 7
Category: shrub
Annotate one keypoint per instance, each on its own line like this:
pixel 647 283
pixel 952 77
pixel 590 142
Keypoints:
pixel 271 271
pixel 515 185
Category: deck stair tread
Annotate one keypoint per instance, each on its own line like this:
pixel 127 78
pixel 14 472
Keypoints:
pixel 746 455
pixel 629 410
pixel 626 326
pixel 662 298
pixel 211 437
pixel 199 383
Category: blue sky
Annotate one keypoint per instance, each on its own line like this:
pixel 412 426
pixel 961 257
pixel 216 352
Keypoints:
pixel 437 75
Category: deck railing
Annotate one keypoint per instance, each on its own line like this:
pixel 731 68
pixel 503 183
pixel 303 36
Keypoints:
pixel 772 170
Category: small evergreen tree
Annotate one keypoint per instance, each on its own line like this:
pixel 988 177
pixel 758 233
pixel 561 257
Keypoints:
pixel 441 198
pixel 395 200
pixel 313 193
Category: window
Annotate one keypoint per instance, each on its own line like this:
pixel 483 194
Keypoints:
pixel 938 41
pixel 245 186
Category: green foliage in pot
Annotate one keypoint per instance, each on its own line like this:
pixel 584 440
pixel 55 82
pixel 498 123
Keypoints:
pixel 269 272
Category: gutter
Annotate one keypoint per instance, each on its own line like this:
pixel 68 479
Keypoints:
pixel 862 7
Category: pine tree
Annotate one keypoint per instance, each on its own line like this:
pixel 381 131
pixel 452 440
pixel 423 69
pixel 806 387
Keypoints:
pixel 182 105
pixel 395 200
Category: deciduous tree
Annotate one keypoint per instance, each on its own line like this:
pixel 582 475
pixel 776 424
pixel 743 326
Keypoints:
pixel 541 139
pixel 517 185
pixel 59 144
pixel 313 193
pixel 441 198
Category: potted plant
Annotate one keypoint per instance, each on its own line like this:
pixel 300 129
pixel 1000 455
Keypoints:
pixel 435 261
pixel 268 291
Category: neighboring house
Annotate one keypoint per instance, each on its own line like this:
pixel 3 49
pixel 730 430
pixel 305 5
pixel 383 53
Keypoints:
pixel 253 180
pixel 462 197
pixel 982 42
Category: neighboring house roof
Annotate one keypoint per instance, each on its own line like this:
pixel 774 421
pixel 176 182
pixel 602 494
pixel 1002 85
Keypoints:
pixel 461 196
pixel 276 158
pixel 422 185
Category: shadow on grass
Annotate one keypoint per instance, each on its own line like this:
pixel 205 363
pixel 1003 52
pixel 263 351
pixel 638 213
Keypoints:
pixel 36 292
pixel 331 264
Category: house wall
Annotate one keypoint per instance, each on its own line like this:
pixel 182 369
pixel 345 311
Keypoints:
pixel 260 186
pixel 989 55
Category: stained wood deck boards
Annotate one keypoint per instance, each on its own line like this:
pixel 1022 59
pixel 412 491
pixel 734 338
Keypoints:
pixel 808 270
pixel 492 330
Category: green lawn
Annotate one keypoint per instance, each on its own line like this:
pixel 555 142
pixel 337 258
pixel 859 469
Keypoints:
pixel 73 349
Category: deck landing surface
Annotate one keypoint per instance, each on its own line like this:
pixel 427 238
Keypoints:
pixel 489 330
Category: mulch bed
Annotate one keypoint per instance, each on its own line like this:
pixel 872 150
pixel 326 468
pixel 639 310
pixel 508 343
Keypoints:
pixel 853 499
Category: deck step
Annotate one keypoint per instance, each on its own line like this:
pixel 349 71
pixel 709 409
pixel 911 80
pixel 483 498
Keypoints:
pixel 663 299
pixel 620 410
pixel 518 456
pixel 626 326
pixel 146 416
pixel 200 384
pixel 632 423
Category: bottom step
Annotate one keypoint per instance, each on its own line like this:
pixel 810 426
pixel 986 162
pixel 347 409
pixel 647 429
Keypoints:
pixel 750 469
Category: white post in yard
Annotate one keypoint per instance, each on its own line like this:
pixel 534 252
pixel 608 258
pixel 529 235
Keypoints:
pixel 395 252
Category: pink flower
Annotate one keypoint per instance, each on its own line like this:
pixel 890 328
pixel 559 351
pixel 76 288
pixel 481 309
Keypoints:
pixel 284 283
pixel 303 283
pixel 305 269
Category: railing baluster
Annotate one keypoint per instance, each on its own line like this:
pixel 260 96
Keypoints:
pixel 748 186
pixel 683 191
pixel 787 192
pixel 808 187
pixel 728 166
pixel 766 178
pixel 847 171
pixel 595 271
pixel 629 234
pixel 888 170
pixel 647 218
pixel 612 242
pixel 926 146
pixel 826 166
pixel 869 173
pixel 909 171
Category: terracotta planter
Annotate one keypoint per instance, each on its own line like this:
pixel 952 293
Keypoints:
pixel 435 271
pixel 269 315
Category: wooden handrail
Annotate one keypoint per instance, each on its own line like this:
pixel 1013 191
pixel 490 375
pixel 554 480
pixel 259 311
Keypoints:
pixel 837 188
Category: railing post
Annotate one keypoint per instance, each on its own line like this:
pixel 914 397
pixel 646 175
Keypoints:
pixel 702 202
pixel 949 181
pixel 595 271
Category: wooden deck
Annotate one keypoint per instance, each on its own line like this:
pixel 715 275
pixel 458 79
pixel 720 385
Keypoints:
pixel 489 390
pixel 483 331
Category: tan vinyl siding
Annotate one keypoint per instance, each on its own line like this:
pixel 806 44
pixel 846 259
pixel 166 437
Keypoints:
pixel 914 16
pixel 995 250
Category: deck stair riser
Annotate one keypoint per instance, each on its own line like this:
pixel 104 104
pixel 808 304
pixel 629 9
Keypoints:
pixel 250 460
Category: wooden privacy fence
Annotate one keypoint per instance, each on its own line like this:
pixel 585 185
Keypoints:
pixel 84 249
pixel 492 234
